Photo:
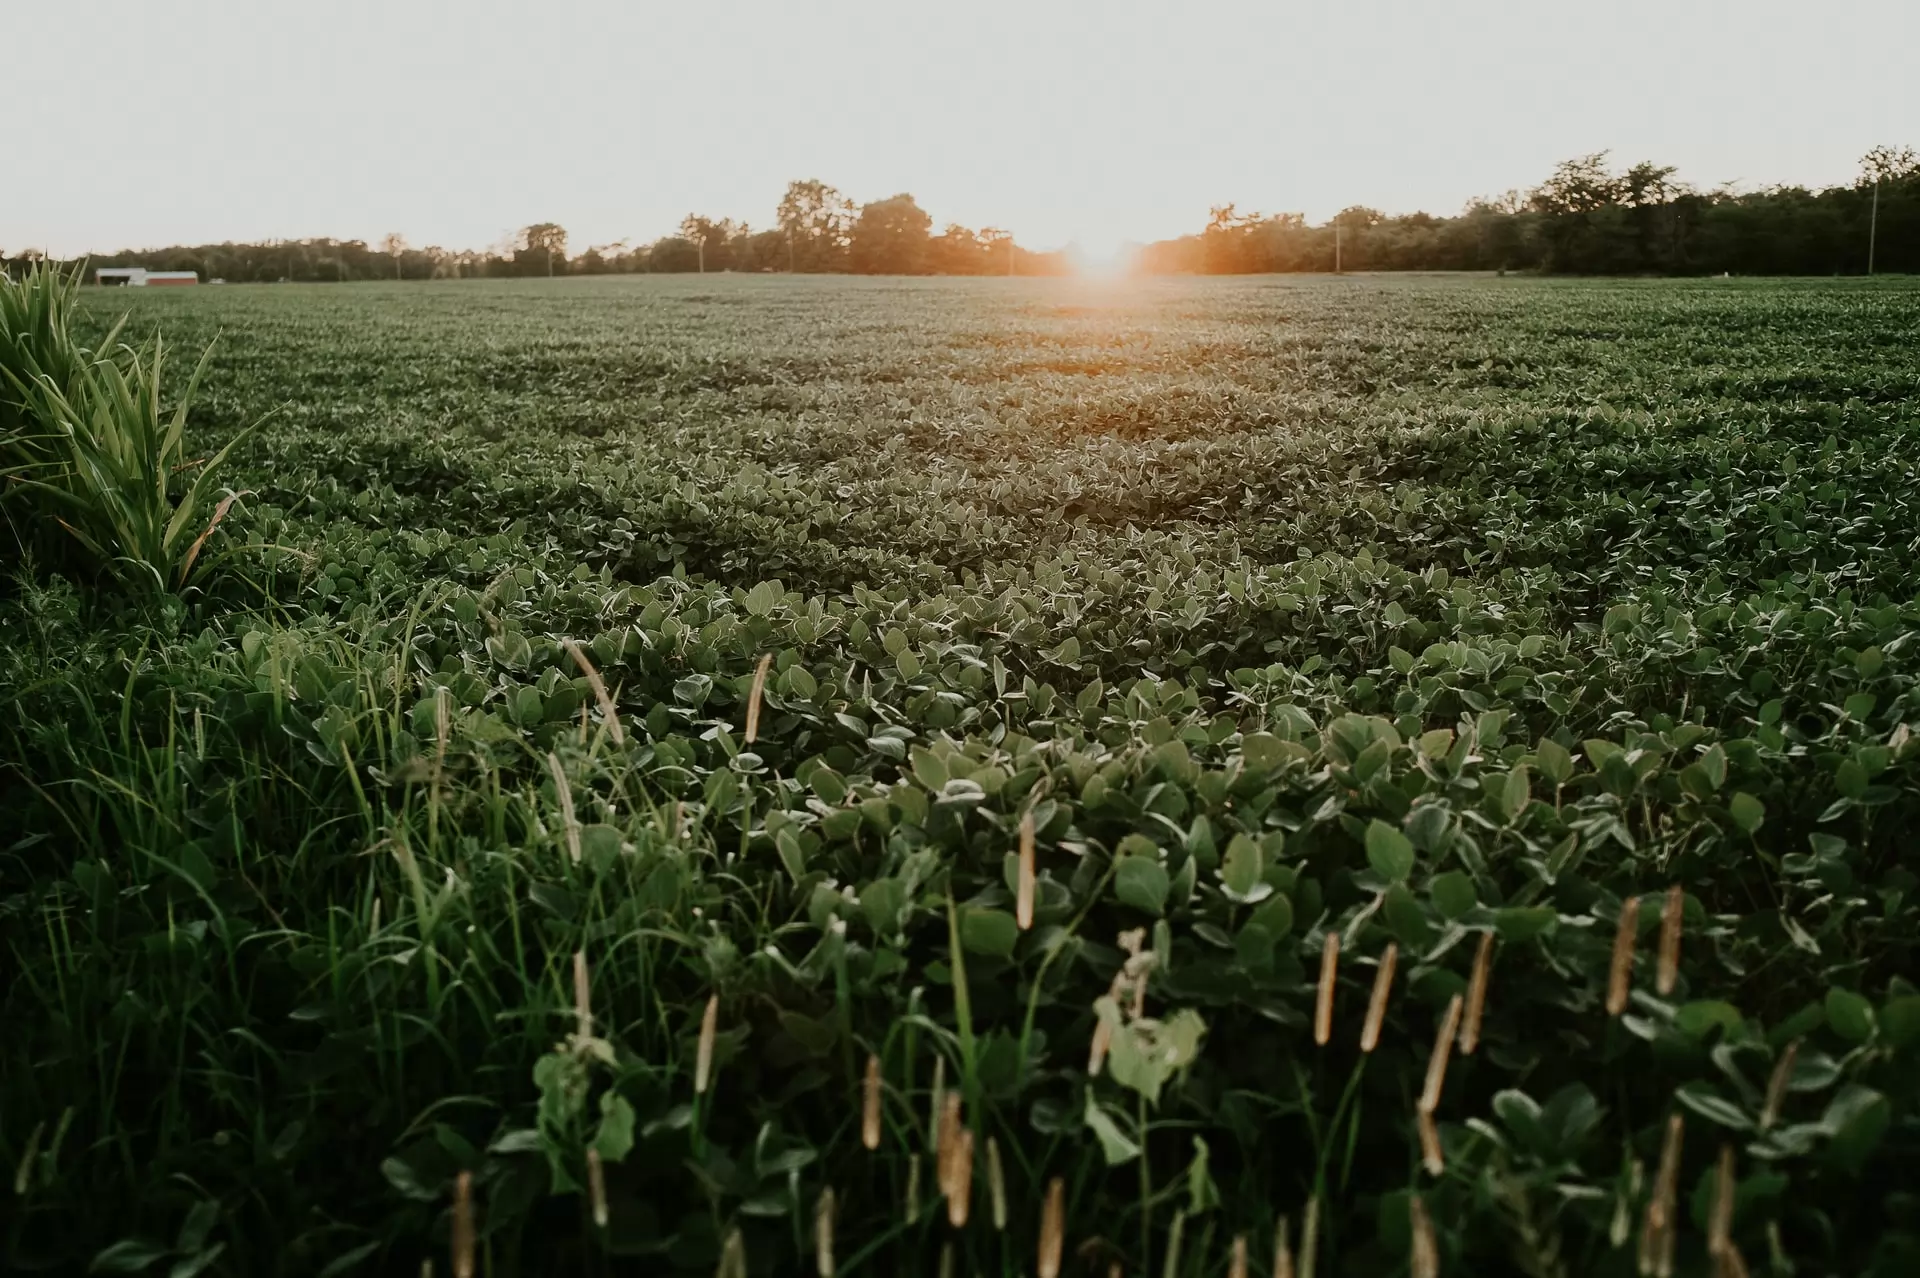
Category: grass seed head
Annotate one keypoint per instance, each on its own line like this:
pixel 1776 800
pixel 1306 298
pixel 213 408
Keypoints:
pixel 582 996
pixel 733 1256
pixel 1777 1085
pixel 1023 903
pixel 1102 1040
pixel 597 1187
pixel 1433 1155
pixel 1323 1002
pixel 1237 1258
pixel 1053 1229
pixel 1310 1237
pixel 753 697
pixel 948 1142
pixel 1672 916
pixel 564 793
pixel 823 1234
pixel 461 1240
pixel 996 1185
pixel 1283 1249
pixel 1477 994
pixel 1720 1221
pixel 960 1178
pixel 936 1103
pixel 1442 1050
pixel 1620 971
pixel 1425 1259
pixel 703 1054
pixel 1377 1005
pixel 870 1105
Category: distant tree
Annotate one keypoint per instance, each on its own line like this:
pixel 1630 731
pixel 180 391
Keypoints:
pixel 542 250
pixel 817 221
pixel 675 254
pixel 1889 164
pixel 890 238
pixel 394 245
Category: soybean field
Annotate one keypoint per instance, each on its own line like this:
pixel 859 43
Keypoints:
pixel 770 775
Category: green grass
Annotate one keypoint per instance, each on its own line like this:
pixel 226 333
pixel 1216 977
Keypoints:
pixel 1411 610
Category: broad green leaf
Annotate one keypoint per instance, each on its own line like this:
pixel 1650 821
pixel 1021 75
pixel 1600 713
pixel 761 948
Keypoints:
pixel 1453 894
pixel 1747 811
pixel 1141 882
pixel 1388 851
pixel 1524 922
pixel 1849 1015
pixel 989 932
pixel 1703 1100
pixel 1242 870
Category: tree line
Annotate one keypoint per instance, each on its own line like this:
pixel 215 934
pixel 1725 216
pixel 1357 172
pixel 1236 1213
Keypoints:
pixel 817 230
pixel 1588 218
pixel 1585 218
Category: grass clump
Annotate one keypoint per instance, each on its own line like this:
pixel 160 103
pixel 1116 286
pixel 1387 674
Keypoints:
pixel 86 444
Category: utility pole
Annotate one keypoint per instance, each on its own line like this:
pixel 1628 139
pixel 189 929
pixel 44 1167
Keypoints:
pixel 1873 223
pixel 702 242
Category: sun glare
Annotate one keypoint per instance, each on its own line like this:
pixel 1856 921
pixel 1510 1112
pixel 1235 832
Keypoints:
pixel 1100 258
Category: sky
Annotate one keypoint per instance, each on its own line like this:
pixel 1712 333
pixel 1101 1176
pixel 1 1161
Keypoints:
pixel 452 122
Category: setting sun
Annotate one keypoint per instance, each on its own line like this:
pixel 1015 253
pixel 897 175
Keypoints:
pixel 1101 257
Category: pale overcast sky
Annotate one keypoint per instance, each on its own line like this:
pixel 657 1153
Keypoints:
pixel 146 122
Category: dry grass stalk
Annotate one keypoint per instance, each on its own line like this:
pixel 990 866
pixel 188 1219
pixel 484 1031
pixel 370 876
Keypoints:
pixel 461 1241
pixel 960 1179
pixel 703 1054
pixel 1023 898
pixel 1377 1005
pixel 823 1234
pixel 1310 1237
pixel 582 996
pixel 1777 1085
pixel 753 697
pixel 1720 1222
pixel 564 792
pixel 1425 1260
pixel 1658 1233
pixel 219 513
pixel 1323 1002
pixel 1053 1228
pixel 1237 1258
pixel 1730 1263
pixel 594 681
pixel 442 722
pixel 870 1105
pixel 1620 973
pixel 597 1187
pixel 996 1185
pixel 1283 1249
pixel 1437 1063
pixel 1672 916
pixel 1433 1156
pixel 913 1187
pixel 1477 994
